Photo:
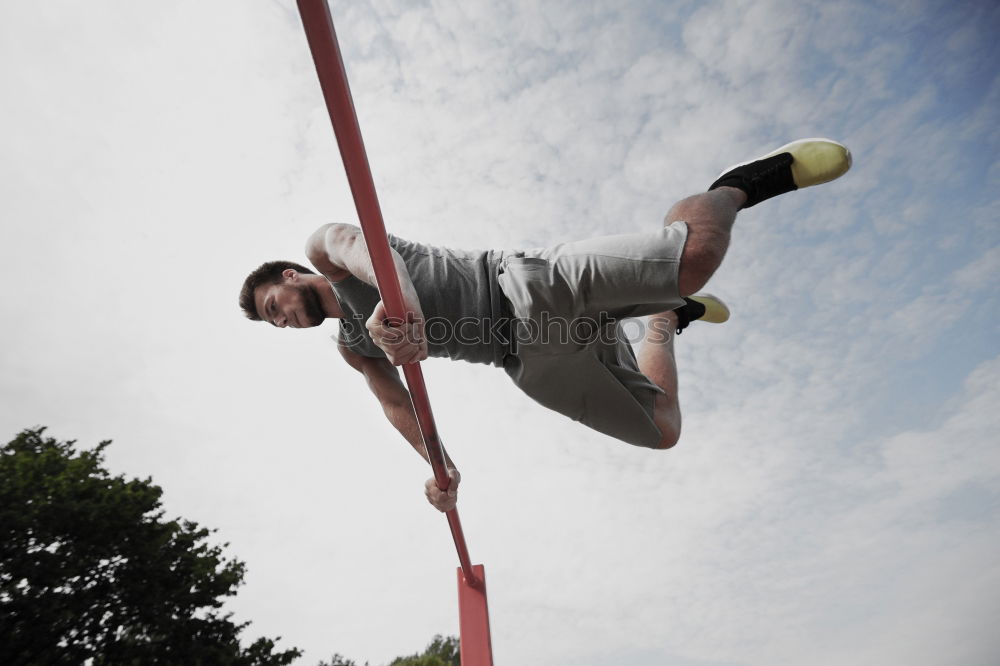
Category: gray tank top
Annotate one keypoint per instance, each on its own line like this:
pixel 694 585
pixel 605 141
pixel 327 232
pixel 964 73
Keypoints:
pixel 465 312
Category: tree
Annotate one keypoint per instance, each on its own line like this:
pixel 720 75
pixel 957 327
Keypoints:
pixel 340 660
pixel 91 570
pixel 443 651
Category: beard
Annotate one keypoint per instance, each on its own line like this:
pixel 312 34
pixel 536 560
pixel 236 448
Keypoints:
pixel 311 306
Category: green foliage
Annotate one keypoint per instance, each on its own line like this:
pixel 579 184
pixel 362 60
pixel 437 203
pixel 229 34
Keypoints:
pixel 339 660
pixel 89 569
pixel 443 651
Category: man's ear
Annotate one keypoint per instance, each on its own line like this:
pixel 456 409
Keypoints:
pixel 290 274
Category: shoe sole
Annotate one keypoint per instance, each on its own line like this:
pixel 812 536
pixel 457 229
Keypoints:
pixel 716 311
pixel 814 161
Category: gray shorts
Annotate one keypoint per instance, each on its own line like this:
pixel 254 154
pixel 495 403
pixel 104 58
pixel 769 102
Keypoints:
pixel 568 301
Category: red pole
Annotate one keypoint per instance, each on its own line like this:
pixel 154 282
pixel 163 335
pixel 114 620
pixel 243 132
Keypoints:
pixel 476 648
pixel 336 91
pixel 474 625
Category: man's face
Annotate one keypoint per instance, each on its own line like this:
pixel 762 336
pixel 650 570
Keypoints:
pixel 289 303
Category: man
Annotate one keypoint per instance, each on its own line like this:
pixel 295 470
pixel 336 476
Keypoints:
pixel 551 317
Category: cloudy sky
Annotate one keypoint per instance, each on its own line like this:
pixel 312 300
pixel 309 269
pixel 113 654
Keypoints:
pixel 835 497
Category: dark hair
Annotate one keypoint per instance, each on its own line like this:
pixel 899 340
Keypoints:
pixel 264 275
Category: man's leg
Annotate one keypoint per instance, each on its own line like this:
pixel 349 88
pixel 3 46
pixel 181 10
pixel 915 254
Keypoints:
pixel 656 361
pixel 709 217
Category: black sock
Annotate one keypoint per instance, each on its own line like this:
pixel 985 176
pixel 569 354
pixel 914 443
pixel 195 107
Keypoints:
pixel 687 313
pixel 760 180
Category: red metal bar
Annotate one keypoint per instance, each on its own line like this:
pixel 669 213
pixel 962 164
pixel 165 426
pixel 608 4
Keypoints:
pixel 325 49
pixel 474 622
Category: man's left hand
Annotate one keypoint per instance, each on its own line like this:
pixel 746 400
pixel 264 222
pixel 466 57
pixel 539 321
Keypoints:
pixel 403 343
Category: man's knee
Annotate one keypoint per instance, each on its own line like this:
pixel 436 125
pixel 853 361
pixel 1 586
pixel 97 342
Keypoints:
pixel 699 262
pixel 669 436
pixel 667 419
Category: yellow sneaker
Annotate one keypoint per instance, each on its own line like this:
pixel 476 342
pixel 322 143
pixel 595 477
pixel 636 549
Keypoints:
pixel 799 164
pixel 701 307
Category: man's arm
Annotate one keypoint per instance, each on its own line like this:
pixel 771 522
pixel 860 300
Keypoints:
pixel 383 380
pixel 338 251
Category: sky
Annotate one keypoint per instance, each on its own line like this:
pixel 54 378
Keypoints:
pixel 835 496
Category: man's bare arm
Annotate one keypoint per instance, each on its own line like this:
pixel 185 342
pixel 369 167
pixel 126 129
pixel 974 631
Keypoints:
pixel 338 251
pixel 383 380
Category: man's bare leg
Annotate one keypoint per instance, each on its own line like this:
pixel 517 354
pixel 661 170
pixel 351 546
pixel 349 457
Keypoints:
pixel 709 217
pixel 656 361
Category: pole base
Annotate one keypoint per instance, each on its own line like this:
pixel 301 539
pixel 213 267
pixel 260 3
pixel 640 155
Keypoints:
pixel 474 619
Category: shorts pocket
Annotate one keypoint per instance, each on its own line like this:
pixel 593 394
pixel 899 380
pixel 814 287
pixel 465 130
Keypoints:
pixel 543 306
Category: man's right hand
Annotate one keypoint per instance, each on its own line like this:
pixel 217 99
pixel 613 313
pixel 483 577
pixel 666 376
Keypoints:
pixel 443 500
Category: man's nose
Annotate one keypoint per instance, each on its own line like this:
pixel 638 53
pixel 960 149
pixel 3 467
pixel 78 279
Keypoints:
pixel 281 321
